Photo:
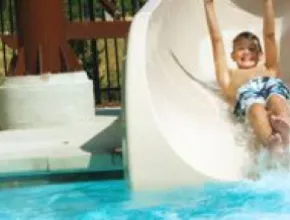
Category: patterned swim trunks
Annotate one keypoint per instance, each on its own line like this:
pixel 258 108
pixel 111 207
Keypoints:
pixel 258 90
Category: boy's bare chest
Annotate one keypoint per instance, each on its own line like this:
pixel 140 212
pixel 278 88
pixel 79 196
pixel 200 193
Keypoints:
pixel 240 77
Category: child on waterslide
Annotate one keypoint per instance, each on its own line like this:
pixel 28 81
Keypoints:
pixel 255 92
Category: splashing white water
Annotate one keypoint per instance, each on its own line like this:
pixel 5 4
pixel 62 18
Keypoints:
pixel 259 160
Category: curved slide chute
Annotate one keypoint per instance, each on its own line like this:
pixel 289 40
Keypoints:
pixel 178 129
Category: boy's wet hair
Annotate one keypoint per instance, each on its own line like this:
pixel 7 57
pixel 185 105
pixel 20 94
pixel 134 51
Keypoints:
pixel 250 37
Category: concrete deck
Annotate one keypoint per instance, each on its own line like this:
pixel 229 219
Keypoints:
pixel 75 147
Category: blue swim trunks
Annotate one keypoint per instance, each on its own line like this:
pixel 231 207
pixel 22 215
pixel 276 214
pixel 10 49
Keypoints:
pixel 258 90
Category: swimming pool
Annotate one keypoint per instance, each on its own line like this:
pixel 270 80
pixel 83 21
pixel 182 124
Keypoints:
pixel 268 198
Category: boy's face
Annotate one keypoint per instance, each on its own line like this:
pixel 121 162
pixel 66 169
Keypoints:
pixel 246 53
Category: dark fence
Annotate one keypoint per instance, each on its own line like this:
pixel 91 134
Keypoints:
pixel 102 58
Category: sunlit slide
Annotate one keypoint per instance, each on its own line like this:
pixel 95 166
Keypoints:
pixel 179 131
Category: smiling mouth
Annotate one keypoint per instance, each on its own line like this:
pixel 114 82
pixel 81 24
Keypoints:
pixel 246 59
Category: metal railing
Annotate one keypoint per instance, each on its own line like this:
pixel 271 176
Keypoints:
pixel 102 58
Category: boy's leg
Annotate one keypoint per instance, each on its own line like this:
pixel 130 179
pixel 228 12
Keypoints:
pixel 280 116
pixel 278 105
pixel 259 120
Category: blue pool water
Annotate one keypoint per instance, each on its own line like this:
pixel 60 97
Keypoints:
pixel 268 198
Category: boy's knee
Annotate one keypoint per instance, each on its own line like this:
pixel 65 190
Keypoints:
pixel 277 105
pixel 256 109
pixel 275 99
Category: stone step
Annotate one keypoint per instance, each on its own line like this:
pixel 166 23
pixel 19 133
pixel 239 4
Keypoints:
pixel 76 147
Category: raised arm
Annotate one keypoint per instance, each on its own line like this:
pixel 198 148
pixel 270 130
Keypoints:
pixel 269 37
pixel 221 67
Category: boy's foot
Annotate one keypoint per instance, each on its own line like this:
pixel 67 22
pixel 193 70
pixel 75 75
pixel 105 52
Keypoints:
pixel 275 144
pixel 275 140
pixel 282 126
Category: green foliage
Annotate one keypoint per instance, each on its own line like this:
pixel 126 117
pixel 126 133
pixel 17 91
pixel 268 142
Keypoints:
pixel 7 16
pixel 80 8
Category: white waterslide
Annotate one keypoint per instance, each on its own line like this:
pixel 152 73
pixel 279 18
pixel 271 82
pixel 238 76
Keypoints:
pixel 178 129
